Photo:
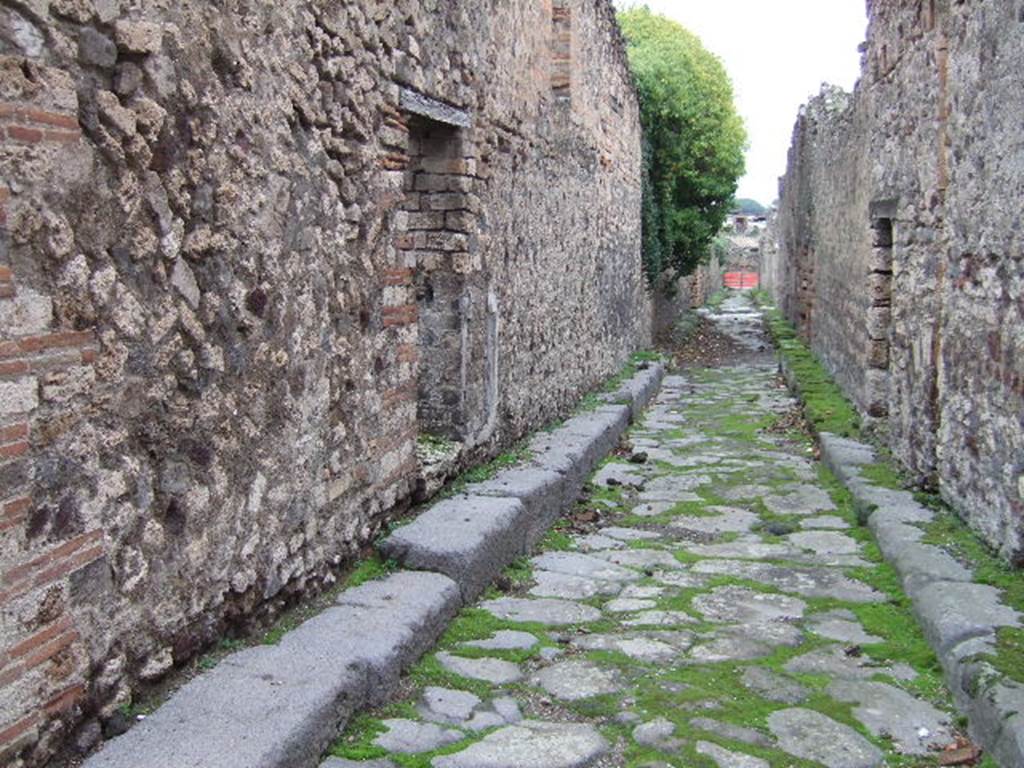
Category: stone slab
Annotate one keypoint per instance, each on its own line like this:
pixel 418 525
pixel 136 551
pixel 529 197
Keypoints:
pixel 543 492
pixel 531 744
pixel 280 706
pixel 433 109
pixel 951 612
pixel 470 539
pixel 811 735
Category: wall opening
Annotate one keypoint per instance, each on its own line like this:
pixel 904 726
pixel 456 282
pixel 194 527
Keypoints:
pixel 879 314
pixel 805 292
pixel 457 315
pixel 561 50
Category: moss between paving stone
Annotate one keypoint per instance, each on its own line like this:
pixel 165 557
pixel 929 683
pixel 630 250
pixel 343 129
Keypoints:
pixel 946 531
pixel 720 683
pixel 825 406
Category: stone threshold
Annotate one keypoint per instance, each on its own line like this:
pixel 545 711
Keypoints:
pixel 959 616
pixel 281 706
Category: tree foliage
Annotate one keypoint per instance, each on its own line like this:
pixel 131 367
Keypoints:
pixel 747 207
pixel 693 140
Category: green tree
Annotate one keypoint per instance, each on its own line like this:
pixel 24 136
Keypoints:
pixel 693 140
pixel 748 207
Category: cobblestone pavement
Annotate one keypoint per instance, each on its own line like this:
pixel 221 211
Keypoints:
pixel 722 608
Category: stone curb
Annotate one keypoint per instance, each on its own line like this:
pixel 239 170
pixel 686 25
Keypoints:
pixel 280 706
pixel 470 538
pixel 638 391
pixel 959 617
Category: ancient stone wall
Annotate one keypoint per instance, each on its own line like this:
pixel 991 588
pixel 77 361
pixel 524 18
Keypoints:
pixel 250 253
pixel 899 251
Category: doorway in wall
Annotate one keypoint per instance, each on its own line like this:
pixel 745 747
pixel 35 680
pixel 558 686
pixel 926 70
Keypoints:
pixel 457 315
pixel 879 312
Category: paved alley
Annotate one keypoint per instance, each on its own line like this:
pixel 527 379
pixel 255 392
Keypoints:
pixel 712 604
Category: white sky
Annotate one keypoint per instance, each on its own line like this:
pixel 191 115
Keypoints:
pixel 778 53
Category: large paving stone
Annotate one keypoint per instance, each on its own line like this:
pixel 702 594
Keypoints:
pixel 594 566
pixel 659 619
pixel 645 559
pixel 565 585
pixel 281 705
pixel 629 534
pixel 637 646
pixel 773 686
pixel 494 671
pixel 548 611
pixel 628 605
pixel 467 538
pixel 410 737
pixel 638 390
pixel 658 733
pixel 916 727
pixel 445 705
pixel 727 520
pixel 806 582
pixel 531 744
pixel 811 735
pixel 802 500
pixel 746 642
pixel 575 680
pixel 824 542
pixel 673 488
pixel 725 758
pixel 745 549
pixel 833 661
pixel 841 628
pixel 576 447
pixel 740 604
pixel 505 640
pixel 732 732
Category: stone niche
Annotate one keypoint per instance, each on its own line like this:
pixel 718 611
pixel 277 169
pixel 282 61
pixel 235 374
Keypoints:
pixel 457 389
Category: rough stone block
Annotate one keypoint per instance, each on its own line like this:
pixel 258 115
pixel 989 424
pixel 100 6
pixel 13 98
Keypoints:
pixel 544 493
pixel 279 706
pixel 18 396
pixel 951 612
pixel 639 390
pixel 138 36
pixel 467 538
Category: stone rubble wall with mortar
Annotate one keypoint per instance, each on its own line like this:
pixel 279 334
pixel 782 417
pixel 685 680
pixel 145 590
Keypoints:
pixel 209 305
pixel 929 345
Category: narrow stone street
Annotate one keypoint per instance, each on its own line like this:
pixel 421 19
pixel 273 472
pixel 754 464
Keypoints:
pixel 713 603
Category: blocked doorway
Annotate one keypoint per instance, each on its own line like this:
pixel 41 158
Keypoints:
pixel 457 312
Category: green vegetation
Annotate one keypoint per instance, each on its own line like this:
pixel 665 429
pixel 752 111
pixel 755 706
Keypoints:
pixel 824 404
pixel 693 140
pixel 747 207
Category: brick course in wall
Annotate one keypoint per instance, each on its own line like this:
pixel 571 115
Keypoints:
pixel 219 236
pixel 903 201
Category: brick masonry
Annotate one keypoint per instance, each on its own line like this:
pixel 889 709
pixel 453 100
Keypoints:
pixel 899 248
pixel 238 280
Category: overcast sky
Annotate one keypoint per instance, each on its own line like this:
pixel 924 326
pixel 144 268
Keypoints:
pixel 778 54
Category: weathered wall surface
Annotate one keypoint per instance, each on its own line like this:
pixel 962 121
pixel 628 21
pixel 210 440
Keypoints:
pixel 689 292
pixel 232 250
pixel 899 248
